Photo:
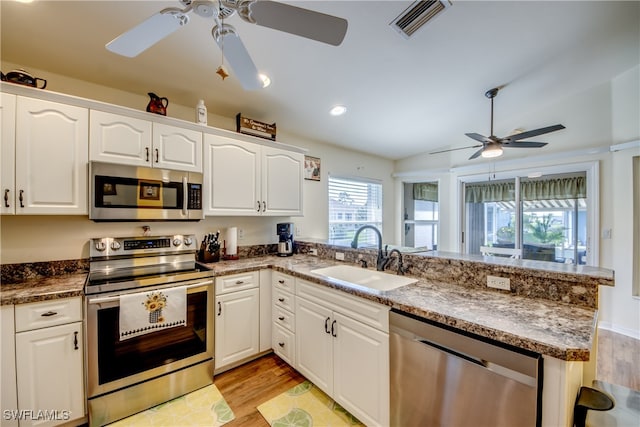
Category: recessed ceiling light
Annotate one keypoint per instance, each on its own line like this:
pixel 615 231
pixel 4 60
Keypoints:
pixel 266 81
pixel 338 110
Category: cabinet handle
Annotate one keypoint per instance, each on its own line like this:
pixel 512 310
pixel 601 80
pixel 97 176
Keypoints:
pixel 219 308
pixel 281 344
pixel 21 198
pixel 264 206
pixel 239 282
pixel 157 155
pixel 281 318
pixel 281 299
pixel 281 281
pixel 49 313
pixel 6 198
pixel 334 332
pixel 146 149
pixel 326 325
pixel 75 340
pixel 258 202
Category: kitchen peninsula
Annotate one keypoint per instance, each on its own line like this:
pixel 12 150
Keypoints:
pixel 551 309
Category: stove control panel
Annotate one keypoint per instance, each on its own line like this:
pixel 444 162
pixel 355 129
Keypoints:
pixel 129 246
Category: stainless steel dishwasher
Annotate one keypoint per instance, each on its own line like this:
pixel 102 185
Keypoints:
pixel 443 378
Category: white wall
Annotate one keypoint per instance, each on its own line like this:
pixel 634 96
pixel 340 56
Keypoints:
pixel 45 238
pixel 597 118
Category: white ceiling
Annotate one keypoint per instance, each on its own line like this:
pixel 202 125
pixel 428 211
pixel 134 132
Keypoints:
pixel 404 97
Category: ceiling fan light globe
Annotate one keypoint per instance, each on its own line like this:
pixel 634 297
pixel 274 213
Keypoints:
pixel 491 151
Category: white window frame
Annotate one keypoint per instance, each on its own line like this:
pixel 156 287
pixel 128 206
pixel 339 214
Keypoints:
pixel 403 205
pixel 361 180
pixel 592 170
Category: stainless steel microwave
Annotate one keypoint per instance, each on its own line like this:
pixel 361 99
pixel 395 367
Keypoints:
pixel 137 193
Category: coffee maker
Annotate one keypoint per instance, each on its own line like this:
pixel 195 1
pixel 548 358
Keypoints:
pixel 284 230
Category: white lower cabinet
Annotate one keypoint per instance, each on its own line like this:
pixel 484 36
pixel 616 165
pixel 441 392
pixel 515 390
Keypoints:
pixel 283 313
pixel 237 321
pixel 8 393
pixel 346 358
pixel 49 362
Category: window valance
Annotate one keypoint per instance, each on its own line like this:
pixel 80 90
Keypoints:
pixel 427 191
pixel 496 191
pixel 556 188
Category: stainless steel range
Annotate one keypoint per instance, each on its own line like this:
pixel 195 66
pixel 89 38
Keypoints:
pixel 149 328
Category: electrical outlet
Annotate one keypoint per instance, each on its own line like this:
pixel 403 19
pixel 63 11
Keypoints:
pixel 313 252
pixel 499 282
pixel 240 234
pixel 340 256
pixel 298 230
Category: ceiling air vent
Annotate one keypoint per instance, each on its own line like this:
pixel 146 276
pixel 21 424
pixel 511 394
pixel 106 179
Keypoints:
pixel 416 15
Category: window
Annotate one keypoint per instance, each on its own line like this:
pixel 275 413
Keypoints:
pixel 421 215
pixel 352 204
pixel 545 217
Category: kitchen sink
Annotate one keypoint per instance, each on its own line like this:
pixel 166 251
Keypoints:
pixel 363 277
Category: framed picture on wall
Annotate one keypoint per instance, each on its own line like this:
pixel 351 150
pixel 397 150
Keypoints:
pixel 312 168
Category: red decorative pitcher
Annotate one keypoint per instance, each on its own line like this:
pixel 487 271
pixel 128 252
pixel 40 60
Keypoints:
pixel 157 105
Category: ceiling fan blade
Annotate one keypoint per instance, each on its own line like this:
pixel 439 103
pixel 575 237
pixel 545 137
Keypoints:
pixel 238 58
pixel 531 133
pixel 478 137
pixel 147 33
pixel 524 144
pixel 301 22
pixel 455 149
pixel 476 154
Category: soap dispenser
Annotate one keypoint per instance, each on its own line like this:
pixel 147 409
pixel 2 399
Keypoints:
pixel 201 113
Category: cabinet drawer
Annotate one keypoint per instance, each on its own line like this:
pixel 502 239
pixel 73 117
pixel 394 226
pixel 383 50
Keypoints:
pixel 284 344
pixel 284 300
pixel 284 318
pixel 43 314
pixel 283 281
pixel 237 282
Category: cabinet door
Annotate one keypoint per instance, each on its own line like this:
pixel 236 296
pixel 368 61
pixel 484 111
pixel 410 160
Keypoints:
pixel 314 344
pixel 52 151
pixel 50 373
pixel 361 370
pixel 8 152
pixel 119 139
pixel 237 326
pixel 232 177
pixel 8 395
pixel 176 148
pixel 282 181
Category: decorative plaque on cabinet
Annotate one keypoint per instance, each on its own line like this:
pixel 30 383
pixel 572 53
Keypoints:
pixel 255 128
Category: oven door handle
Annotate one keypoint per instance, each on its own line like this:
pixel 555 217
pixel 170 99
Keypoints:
pixel 117 297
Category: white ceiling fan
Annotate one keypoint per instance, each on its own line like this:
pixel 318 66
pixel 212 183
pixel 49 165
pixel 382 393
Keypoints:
pixel 492 145
pixel 279 16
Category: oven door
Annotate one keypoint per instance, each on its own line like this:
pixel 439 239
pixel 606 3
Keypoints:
pixel 113 364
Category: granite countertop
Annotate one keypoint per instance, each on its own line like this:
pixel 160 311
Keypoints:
pixel 555 329
pixel 42 289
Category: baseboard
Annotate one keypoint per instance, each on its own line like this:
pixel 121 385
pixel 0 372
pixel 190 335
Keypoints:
pixel 632 333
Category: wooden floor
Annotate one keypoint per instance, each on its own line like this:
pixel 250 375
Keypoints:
pixel 618 359
pixel 249 385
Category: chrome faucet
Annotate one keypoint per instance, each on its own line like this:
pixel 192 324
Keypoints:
pixel 381 260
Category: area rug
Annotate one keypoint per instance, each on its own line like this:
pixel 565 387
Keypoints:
pixel 305 406
pixel 203 407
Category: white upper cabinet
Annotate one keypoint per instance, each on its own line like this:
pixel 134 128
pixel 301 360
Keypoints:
pixel 177 148
pixel 51 154
pixel 231 176
pixel 120 139
pixel 282 181
pixel 8 152
pixel 249 179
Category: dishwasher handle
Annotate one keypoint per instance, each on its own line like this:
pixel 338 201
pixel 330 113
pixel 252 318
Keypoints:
pixel 466 357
